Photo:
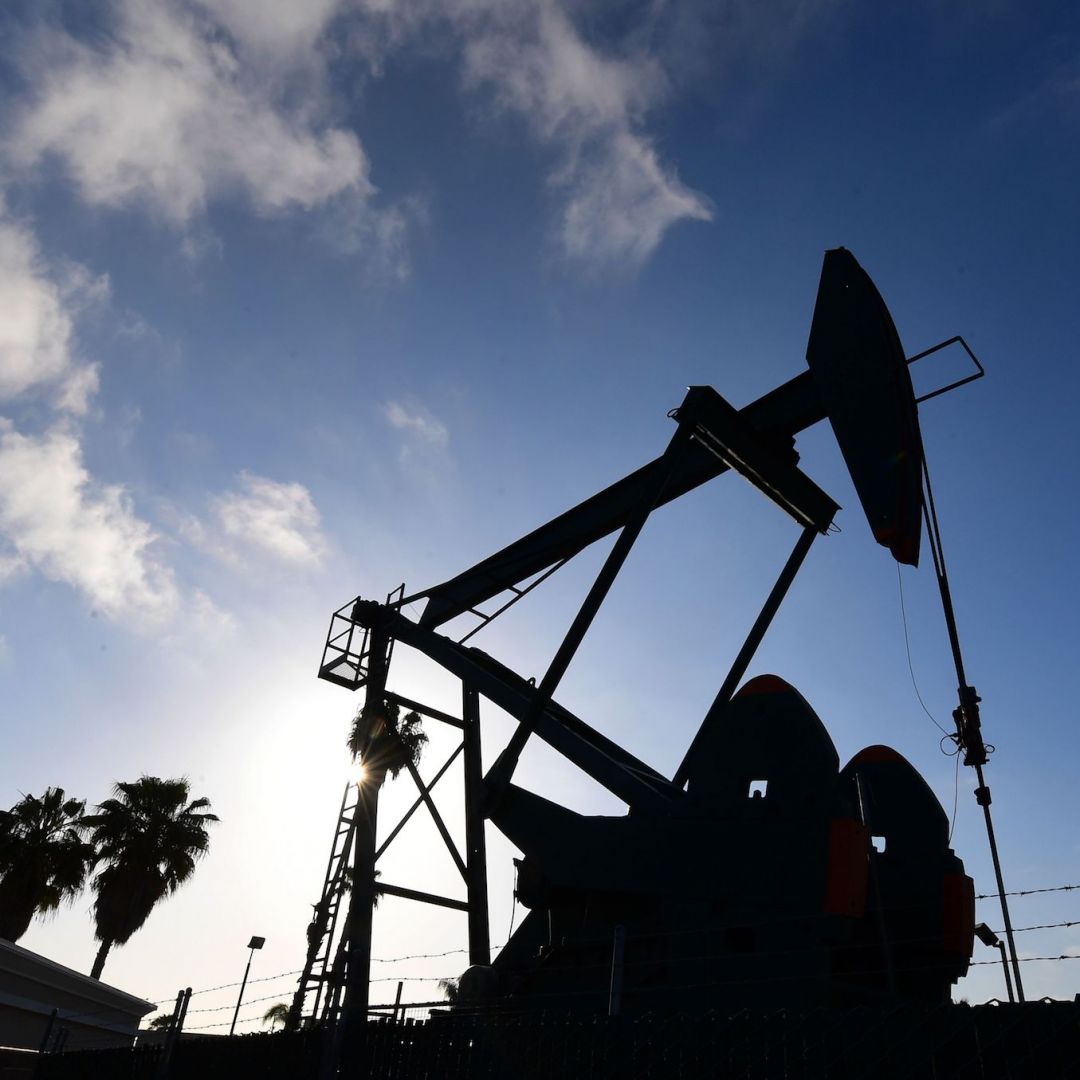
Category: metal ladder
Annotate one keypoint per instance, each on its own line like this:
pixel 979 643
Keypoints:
pixel 318 966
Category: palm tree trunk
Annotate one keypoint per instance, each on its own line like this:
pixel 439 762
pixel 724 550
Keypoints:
pixel 99 960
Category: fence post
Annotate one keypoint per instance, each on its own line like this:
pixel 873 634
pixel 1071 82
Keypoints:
pixel 175 1028
pixel 615 994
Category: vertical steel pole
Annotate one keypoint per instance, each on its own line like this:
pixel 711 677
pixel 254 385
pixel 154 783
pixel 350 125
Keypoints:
pixel 968 725
pixel 362 899
pixel 361 905
pixel 617 952
pixel 475 840
pixel 43 1048
pixel 175 1028
pixel 982 797
pixel 1005 968
pixel 240 996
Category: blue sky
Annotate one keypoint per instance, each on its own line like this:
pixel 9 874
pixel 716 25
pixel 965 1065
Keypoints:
pixel 301 301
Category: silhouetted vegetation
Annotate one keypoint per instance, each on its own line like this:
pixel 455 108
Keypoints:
pixel 149 837
pixel 44 858
pixel 384 741
pixel 278 1013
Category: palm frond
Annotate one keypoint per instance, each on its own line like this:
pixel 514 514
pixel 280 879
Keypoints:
pixel 384 741
pixel 149 839
pixel 44 858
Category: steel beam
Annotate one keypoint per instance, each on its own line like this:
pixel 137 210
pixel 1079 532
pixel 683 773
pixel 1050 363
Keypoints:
pixel 424 710
pixel 419 802
pixel 788 409
pixel 433 810
pixel 475 839
pixel 502 771
pixel 750 646
pixel 362 896
pixel 625 776
pixel 422 897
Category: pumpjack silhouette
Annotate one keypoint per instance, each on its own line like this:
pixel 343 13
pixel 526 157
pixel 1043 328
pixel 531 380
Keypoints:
pixel 761 874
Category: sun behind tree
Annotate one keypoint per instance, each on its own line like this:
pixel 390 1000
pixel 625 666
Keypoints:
pixel 149 838
pixel 44 858
pixel 384 741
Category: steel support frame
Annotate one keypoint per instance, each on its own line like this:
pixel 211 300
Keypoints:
pixel 362 897
pixel 473 867
pixel 625 505
pixel 750 646
pixel 501 773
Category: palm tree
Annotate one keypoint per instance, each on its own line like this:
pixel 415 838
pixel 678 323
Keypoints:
pixel 149 837
pixel 277 1013
pixel 44 858
pixel 385 743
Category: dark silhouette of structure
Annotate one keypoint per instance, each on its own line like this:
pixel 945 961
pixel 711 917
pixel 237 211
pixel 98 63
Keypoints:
pixel 761 874
pixel 762 887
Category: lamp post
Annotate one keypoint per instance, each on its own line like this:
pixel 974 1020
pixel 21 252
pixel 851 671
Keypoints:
pixel 253 944
pixel 989 938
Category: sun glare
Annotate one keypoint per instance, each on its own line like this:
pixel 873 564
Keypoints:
pixel 357 773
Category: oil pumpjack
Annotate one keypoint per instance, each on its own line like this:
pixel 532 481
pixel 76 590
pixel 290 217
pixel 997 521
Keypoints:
pixel 686 891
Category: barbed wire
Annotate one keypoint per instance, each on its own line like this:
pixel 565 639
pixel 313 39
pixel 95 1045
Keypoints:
pixel 227 986
pixel 463 950
pixel 1027 892
pixel 1027 959
pixel 1041 926
pixel 232 1005
pixel 628 963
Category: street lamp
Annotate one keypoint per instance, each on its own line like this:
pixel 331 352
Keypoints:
pixel 989 938
pixel 253 944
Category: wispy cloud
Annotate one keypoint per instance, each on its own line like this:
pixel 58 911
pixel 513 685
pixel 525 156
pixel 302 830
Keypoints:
pixel 56 519
pixel 417 422
pixel 424 446
pixel 182 102
pixel 36 324
pixel 179 104
pixel 619 199
pixel 261 517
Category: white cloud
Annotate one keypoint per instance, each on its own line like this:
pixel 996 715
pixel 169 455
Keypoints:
pixel 164 111
pixel 55 518
pixel 423 453
pixel 619 199
pixel 36 323
pixel 185 101
pixel 276 519
pixel 279 31
pixel 622 201
pixel 10 566
pixel 418 422
pixel 206 622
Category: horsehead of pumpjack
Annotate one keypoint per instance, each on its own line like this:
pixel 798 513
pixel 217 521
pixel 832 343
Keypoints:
pixel 761 873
